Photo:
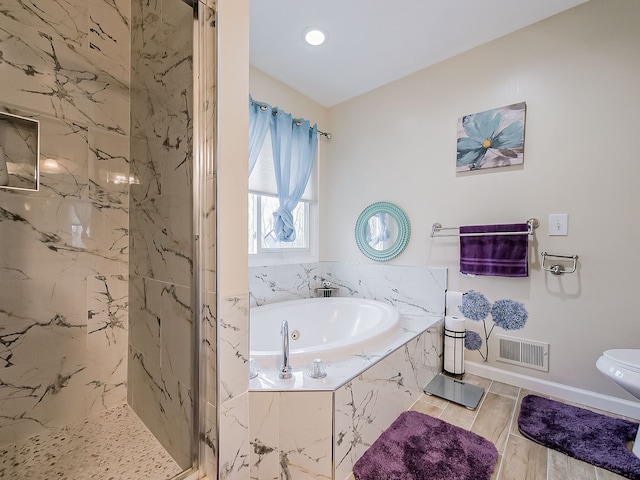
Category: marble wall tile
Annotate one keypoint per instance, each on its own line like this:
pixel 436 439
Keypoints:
pixel 283 282
pixel 145 316
pixel 306 435
pixel 108 167
pixel 160 325
pixel 176 332
pixel 161 262
pixel 412 290
pixel 62 237
pixel 178 140
pixel 234 438
pixel 233 345
pixel 63 154
pixel 160 231
pixel 210 234
pixel 63 158
pixel 63 19
pixel 45 74
pixel 36 391
pixel 210 342
pixel 107 339
pixel 433 349
pixel 209 441
pixel 264 429
pixel 365 407
pixel 320 434
pixel 208 36
pixel 162 106
pixel 64 249
pixel 164 405
pixel 145 169
pixel 109 23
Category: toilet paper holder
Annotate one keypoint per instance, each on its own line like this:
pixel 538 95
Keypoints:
pixel 557 268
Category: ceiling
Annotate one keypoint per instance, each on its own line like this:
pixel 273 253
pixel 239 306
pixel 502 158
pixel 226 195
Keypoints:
pixel 373 42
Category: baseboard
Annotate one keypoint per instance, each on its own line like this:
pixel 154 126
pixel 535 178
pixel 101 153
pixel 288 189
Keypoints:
pixel 608 403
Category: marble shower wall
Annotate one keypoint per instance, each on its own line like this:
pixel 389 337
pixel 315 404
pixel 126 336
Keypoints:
pixel 161 259
pixel 65 248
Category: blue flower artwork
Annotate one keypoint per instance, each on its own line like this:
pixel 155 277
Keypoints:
pixel 494 138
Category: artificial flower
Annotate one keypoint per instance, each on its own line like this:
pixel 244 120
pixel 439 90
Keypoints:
pixel 509 314
pixel 475 306
pixel 472 340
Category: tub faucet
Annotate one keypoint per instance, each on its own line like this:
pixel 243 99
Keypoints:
pixel 285 368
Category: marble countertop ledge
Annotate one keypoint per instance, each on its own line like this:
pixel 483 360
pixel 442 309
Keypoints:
pixel 341 372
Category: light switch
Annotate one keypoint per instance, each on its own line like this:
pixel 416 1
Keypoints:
pixel 558 224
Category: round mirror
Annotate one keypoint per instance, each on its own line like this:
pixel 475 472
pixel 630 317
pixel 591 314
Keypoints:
pixel 382 231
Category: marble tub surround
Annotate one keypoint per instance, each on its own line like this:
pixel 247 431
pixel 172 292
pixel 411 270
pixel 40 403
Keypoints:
pixel 340 372
pixel 361 395
pixel 233 358
pixel 65 248
pixel 320 434
pixel 411 290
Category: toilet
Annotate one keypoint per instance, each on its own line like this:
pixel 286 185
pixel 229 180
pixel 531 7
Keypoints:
pixel 623 367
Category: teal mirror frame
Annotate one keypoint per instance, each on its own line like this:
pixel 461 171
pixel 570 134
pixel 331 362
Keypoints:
pixel 404 231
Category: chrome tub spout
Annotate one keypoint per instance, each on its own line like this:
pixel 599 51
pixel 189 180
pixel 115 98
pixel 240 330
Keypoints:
pixel 285 368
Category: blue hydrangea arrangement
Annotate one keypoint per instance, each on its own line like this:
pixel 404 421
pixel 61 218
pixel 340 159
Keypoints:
pixel 506 314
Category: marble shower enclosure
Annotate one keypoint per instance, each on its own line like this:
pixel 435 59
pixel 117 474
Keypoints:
pixel 65 248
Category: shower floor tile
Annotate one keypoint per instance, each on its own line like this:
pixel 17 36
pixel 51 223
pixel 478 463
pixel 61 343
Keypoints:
pixel 113 445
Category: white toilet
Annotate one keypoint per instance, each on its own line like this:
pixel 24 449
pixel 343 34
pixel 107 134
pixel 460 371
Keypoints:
pixel 623 367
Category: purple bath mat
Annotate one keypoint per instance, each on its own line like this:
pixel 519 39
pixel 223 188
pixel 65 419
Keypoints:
pixel 419 447
pixel 580 433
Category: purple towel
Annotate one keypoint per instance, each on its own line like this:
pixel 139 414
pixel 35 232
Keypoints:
pixel 496 255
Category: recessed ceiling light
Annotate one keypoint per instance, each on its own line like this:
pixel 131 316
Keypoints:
pixel 314 36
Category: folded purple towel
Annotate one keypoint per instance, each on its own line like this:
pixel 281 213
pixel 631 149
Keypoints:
pixel 496 255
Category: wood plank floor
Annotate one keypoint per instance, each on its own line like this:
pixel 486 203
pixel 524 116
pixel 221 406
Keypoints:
pixel 496 420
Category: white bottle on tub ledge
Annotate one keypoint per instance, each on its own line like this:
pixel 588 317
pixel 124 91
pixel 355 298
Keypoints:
pixel 4 174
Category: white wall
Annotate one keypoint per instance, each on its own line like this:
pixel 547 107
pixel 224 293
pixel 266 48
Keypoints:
pixel 264 88
pixel 579 73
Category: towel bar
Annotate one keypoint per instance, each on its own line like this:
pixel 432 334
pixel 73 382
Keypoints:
pixel 532 223
pixel 557 269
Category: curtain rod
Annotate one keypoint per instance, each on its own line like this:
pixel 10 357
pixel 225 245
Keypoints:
pixel 264 106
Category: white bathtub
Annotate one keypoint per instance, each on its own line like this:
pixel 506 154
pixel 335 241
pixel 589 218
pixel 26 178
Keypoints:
pixel 327 328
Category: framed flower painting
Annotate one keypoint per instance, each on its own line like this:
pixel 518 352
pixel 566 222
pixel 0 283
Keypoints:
pixel 494 138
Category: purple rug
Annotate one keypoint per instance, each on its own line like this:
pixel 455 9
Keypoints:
pixel 419 447
pixel 581 434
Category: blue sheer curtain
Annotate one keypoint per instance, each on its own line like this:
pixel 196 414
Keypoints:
pixel 259 116
pixel 294 147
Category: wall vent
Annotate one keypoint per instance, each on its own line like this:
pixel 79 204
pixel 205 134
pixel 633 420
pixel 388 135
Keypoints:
pixel 526 353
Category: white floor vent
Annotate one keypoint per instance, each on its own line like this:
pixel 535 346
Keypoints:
pixel 526 353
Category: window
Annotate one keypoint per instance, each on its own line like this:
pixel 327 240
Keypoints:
pixel 263 201
pixel 261 236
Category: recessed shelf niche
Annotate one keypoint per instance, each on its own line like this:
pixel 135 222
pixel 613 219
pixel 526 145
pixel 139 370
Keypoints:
pixel 20 151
